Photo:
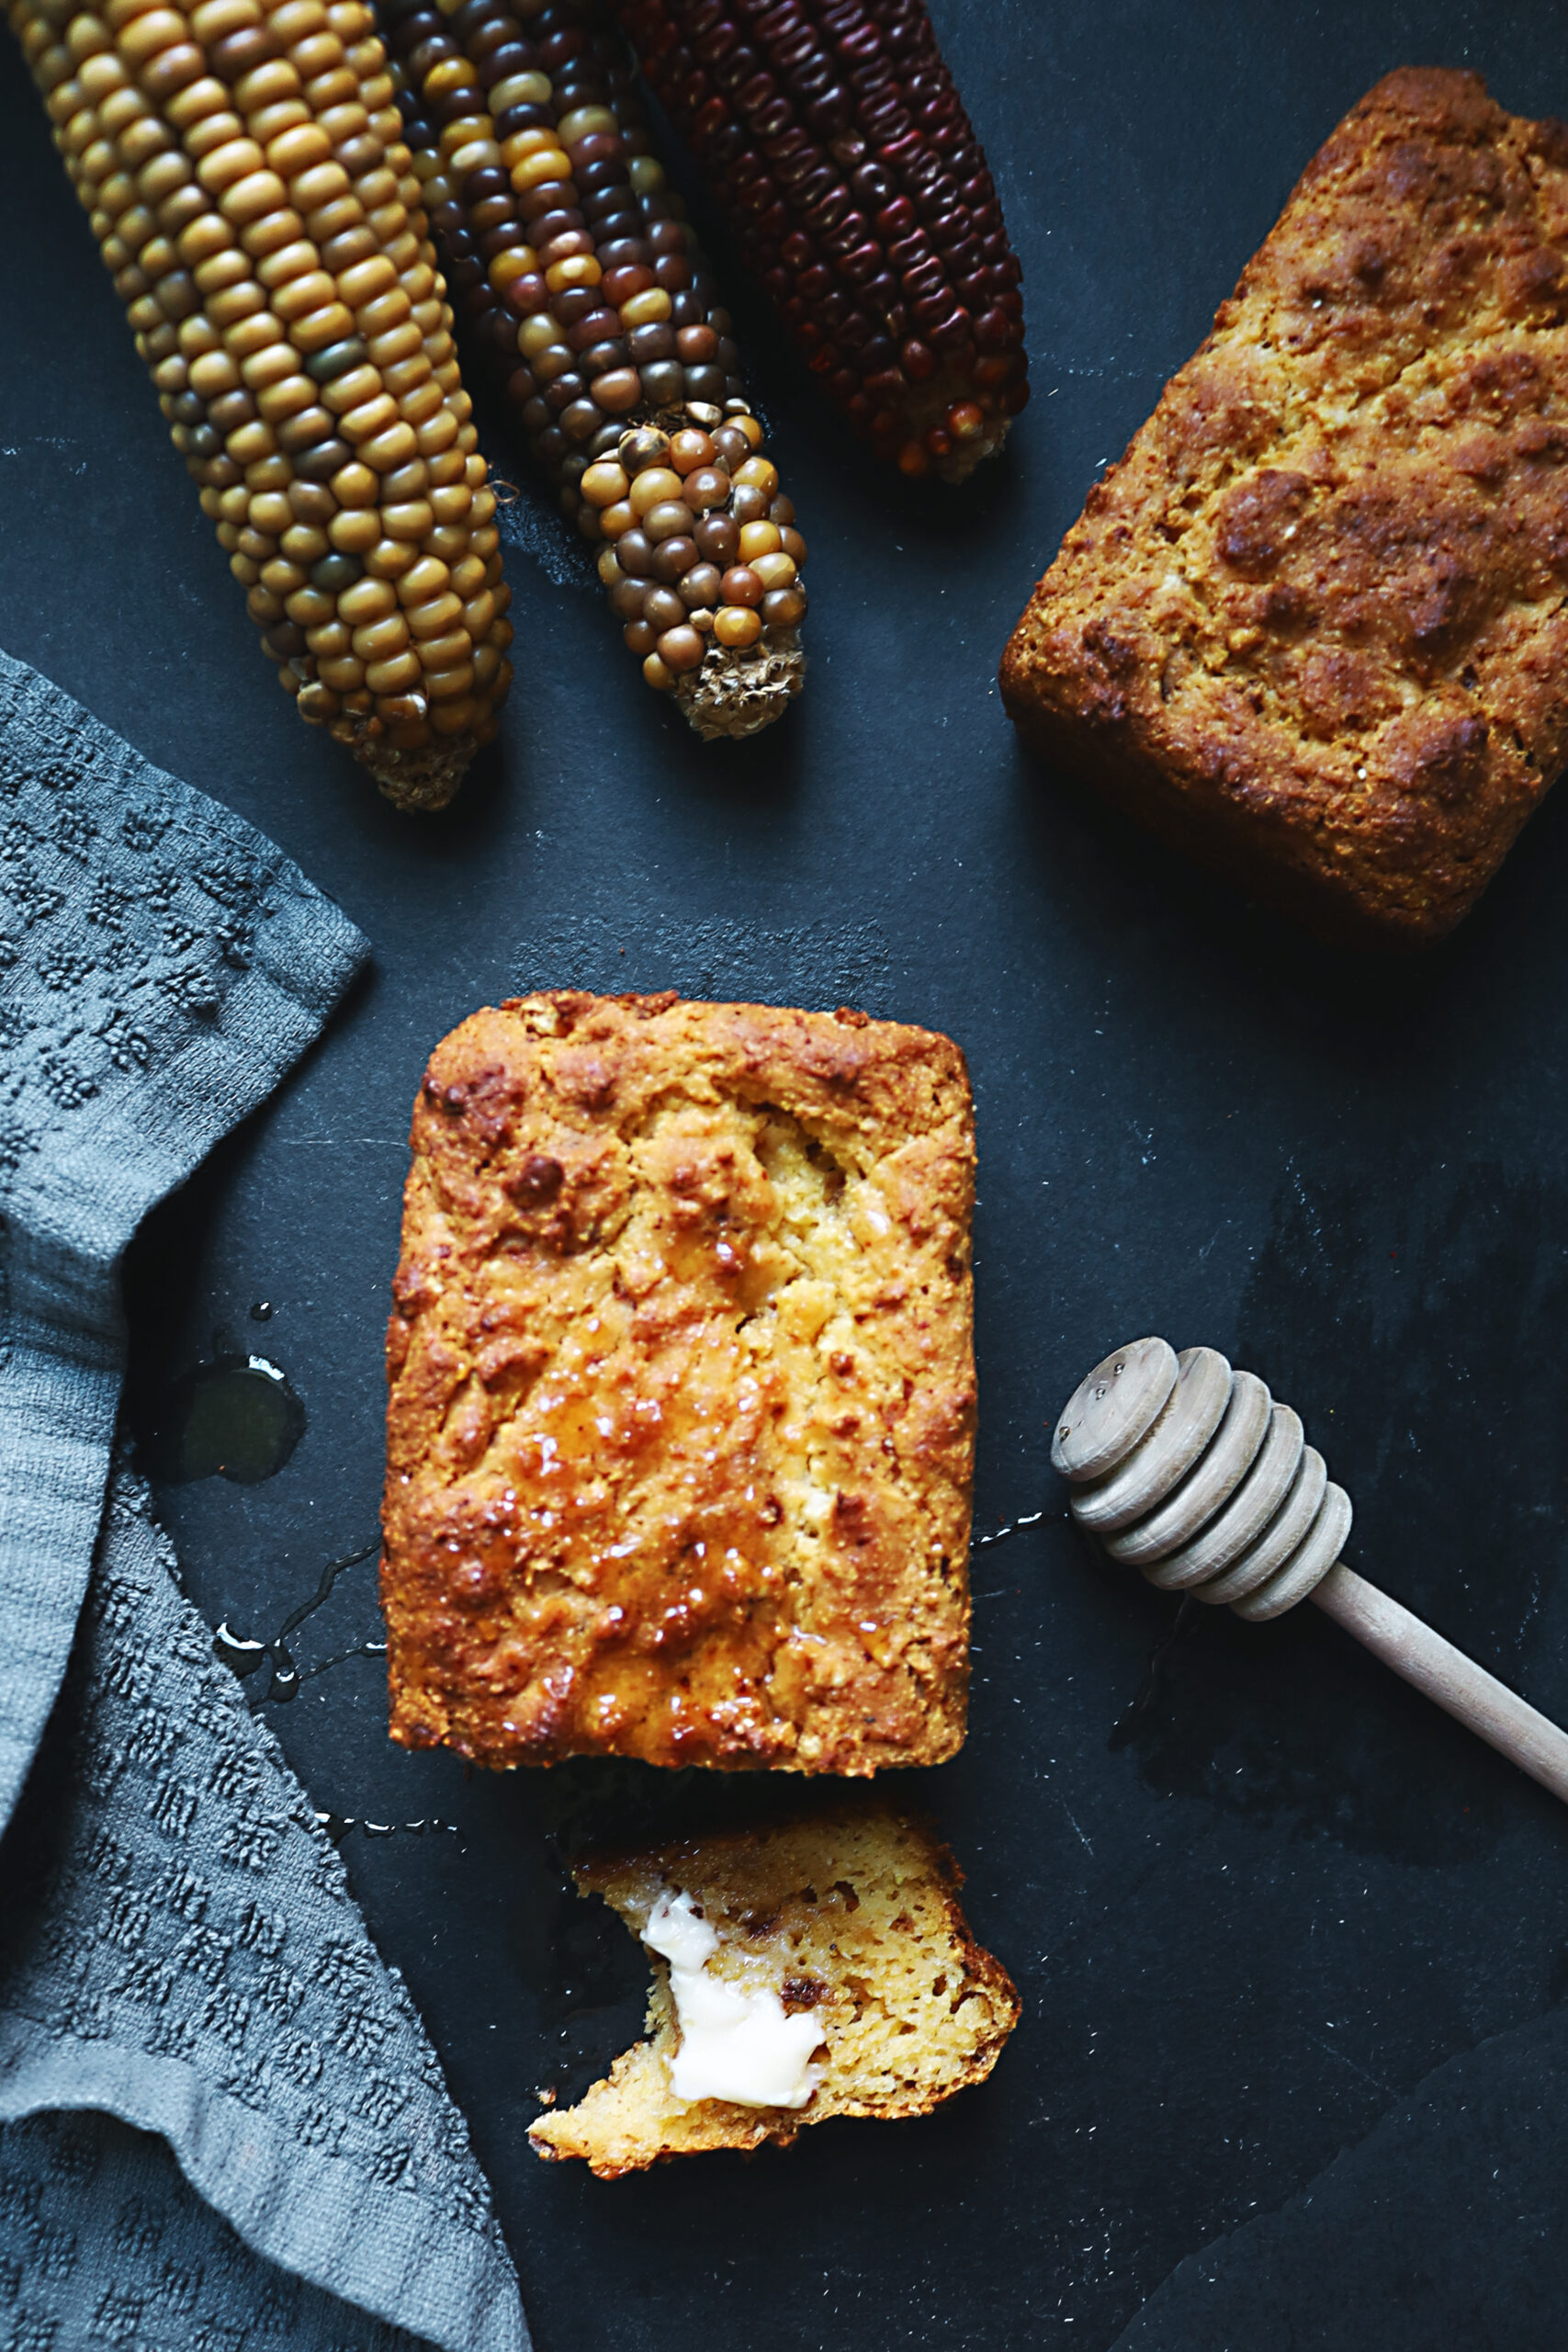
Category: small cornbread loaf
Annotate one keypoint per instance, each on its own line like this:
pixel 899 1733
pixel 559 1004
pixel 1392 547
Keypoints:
pixel 852 1916
pixel 681 1426
pixel 243 167
pixel 1313 627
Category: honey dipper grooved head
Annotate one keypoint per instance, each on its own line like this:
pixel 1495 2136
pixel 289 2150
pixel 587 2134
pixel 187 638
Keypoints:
pixel 1191 1473
pixel 1111 1410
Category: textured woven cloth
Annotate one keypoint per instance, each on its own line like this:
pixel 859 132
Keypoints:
pixel 181 1948
pixel 222 2126
pixel 161 967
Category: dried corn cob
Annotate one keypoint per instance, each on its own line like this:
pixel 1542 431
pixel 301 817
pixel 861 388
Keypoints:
pixel 830 132
pixel 243 165
pixel 571 260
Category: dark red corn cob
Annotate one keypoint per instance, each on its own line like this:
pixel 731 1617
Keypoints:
pixel 570 258
pixel 832 134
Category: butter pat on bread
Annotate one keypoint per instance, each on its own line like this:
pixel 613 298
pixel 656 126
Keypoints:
pixel 848 1920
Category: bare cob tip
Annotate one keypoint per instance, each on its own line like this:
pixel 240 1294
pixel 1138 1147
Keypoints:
pixel 424 776
pixel 741 689
pixel 949 433
pixel 965 456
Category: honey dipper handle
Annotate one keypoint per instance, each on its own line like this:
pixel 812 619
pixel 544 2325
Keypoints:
pixel 1468 1693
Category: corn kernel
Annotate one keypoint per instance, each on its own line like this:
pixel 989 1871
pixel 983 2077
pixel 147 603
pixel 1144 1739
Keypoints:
pixel 367 600
pixel 582 122
pixel 519 90
pixel 655 486
pixel 537 169
pixel 758 473
pixel 646 309
pixel 736 626
pixel 578 269
pixel 354 530
pixel 604 484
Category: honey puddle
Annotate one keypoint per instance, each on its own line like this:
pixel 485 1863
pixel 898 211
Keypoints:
pixel 236 1418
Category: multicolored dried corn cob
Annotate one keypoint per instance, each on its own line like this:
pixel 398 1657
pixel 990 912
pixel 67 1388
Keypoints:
pixel 832 134
pixel 243 164
pixel 569 258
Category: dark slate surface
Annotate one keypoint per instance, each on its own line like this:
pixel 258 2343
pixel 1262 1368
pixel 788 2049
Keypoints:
pixel 1264 1905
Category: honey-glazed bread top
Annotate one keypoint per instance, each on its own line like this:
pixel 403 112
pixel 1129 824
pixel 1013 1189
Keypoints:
pixel 681 1420
pixel 852 1913
pixel 1313 627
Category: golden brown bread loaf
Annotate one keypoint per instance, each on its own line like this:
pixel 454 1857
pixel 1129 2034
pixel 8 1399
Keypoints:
pixel 1313 626
pixel 681 1423
pixel 853 1915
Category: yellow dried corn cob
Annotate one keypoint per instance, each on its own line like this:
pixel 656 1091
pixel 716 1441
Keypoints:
pixel 244 169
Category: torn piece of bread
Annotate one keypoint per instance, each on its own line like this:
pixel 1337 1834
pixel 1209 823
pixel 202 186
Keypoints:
pixel 1312 626
pixel 682 1412
pixel 850 1917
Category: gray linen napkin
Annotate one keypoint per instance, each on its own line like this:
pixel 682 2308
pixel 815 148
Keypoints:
pixel 257 2149
pixel 161 967
pixel 182 1950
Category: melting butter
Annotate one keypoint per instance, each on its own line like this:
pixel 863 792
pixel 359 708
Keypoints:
pixel 737 2042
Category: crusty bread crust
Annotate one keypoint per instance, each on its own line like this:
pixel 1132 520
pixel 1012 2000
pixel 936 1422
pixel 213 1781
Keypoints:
pixel 681 1422
pixel 1313 626
pixel 854 1913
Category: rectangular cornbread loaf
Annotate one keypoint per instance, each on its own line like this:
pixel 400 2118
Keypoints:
pixel 681 1422
pixel 1313 626
pixel 852 1915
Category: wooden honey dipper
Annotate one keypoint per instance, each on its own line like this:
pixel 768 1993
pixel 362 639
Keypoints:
pixel 1191 1473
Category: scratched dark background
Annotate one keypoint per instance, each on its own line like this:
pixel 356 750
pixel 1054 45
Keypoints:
pixel 1294 2067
